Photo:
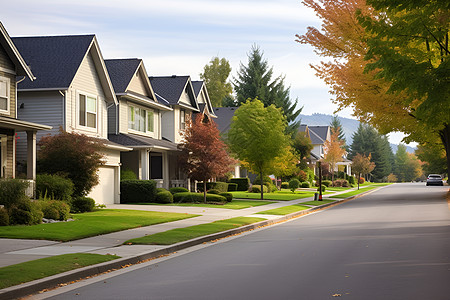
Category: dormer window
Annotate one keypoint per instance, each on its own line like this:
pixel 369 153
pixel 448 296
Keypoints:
pixel 4 94
pixel 87 111
pixel 140 119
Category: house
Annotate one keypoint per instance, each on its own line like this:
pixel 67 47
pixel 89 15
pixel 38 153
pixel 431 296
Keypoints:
pixel 203 101
pixel 136 123
pixel 12 66
pixel 72 91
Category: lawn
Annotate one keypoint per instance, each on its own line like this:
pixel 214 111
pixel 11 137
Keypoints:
pixel 355 192
pixel 316 203
pixel 91 224
pixel 183 234
pixel 285 210
pixel 44 267
pixel 235 204
pixel 279 196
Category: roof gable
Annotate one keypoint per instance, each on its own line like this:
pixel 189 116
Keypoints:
pixel 171 89
pixel 14 55
pixel 121 72
pixel 224 117
pixel 201 91
pixel 319 134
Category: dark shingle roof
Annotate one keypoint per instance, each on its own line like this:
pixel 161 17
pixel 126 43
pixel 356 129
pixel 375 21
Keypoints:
pixel 130 140
pixel 303 127
pixel 318 134
pixel 54 60
pixel 121 72
pixel 197 85
pixel 169 87
pixel 224 117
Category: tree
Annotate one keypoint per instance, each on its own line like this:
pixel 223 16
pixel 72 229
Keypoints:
pixel 257 137
pixel 333 151
pixel 203 154
pixel 433 156
pixel 76 156
pixel 336 125
pixel 362 165
pixel 285 164
pixel 215 75
pixel 390 62
pixel 302 146
pixel 255 81
pixel 407 167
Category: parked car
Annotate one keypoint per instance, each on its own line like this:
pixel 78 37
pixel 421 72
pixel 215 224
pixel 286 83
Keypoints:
pixel 434 179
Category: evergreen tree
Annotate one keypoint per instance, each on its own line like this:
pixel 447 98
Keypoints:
pixel 335 125
pixel 254 81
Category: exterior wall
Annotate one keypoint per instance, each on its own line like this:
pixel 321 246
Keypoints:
pixel 201 97
pixel 5 62
pixel 87 81
pixel 112 119
pixel 185 98
pixel 7 70
pixel 317 150
pixel 123 119
pixel 137 85
pixel 7 152
pixel 42 108
pixel 168 124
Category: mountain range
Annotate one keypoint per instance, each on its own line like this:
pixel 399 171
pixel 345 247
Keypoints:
pixel 349 126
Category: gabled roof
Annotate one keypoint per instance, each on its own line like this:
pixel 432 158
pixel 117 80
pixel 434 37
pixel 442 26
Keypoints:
pixel 224 117
pixel 318 134
pixel 135 141
pixel 121 71
pixel 200 86
pixel 55 61
pixel 170 88
pixel 21 67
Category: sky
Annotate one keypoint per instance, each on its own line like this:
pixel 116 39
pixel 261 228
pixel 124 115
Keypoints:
pixel 176 37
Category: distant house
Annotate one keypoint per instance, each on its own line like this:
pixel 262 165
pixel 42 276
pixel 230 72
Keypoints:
pixel 12 66
pixel 72 91
pixel 203 101
pixel 136 123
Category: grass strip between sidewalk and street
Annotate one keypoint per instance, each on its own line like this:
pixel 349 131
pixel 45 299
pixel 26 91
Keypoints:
pixel 355 192
pixel 91 224
pixel 44 267
pixel 285 210
pixel 235 204
pixel 317 202
pixel 177 235
pixel 279 196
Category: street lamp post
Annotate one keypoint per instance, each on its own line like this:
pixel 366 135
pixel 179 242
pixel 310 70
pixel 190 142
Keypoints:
pixel 320 180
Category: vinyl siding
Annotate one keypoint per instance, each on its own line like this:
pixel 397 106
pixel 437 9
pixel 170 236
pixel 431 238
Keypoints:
pixel 123 116
pixel 87 81
pixel 137 85
pixel 12 95
pixel 201 97
pixel 168 125
pixel 5 62
pixel 112 112
pixel 185 98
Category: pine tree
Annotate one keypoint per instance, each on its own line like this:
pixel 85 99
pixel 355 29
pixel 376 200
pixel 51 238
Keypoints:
pixel 335 125
pixel 254 81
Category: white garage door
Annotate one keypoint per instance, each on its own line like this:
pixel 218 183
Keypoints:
pixel 103 193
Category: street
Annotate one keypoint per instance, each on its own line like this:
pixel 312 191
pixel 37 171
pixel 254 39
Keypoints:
pixel 390 244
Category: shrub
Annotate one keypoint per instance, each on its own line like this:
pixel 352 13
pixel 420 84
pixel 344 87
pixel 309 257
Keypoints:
pixel 285 185
pixel 180 189
pixel 310 174
pixel 188 197
pixel 4 217
pixel 351 180
pixel 326 183
pixel 340 183
pixel 164 197
pixel 220 186
pixel 23 212
pixel 306 185
pixel 257 189
pixel 54 209
pixel 273 188
pixel 82 204
pixel 266 181
pixel 213 191
pixel 12 191
pixel 294 184
pixel 54 187
pixel 158 190
pixel 228 196
pixel 361 180
pixel 324 187
pixel 243 184
pixel 133 191
pixel 232 187
pixel 127 174
pixel 302 176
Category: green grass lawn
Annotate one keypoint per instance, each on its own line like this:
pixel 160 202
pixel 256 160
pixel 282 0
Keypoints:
pixel 91 224
pixel 183 234
pixel 285 210
pixel 355 192
pixel 235 204
pixel 279 196
pixel 316 203
pixel 337 189
pixel 44 267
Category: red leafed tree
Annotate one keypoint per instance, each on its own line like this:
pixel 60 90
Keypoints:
pixel 203 154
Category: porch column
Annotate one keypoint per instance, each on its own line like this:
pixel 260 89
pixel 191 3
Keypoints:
pixel 165 170
pixel 237 171
pixel 31 155
pixel 145 165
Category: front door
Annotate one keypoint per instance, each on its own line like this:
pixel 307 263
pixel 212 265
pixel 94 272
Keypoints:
pixel 156 166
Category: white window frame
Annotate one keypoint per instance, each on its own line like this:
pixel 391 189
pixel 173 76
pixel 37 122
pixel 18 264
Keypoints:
pixel 182 119
pixel 8 95
pixel 145 121
pixel 85 127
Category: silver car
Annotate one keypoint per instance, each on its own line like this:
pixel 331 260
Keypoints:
pixel 434 179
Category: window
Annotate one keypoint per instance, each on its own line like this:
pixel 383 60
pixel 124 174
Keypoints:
pixel 88 111
pixel 140 119
pixel 182 119
pixel 4 94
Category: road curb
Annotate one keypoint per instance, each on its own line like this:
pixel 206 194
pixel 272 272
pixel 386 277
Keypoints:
pixel 35 286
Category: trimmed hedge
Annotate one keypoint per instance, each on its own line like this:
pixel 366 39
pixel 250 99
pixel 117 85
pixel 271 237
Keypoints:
pixel 351 180
pixel 135 191
pixel 213 191
pixel 257 189
pixel 285 185
pixel 24 212
pixel 324 187
pixel 54 209
pixel 127 174
pixel 243 184
pixel 232 187
pixel 306 185
pixel 54 187
pixel 180 189
pixel 294 184
pixel 188 197
pixel 326 183
pixel 82 204
pixel 220 186
pixel 228 196
pixel 164 197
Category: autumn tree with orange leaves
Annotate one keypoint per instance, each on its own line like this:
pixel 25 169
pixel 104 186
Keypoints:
pixel 333 150
pixel 203 154
pixel 362 165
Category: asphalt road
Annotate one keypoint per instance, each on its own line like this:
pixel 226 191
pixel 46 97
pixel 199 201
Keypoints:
pixel 391 244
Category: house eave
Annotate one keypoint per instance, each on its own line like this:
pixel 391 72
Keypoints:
pixel 144 100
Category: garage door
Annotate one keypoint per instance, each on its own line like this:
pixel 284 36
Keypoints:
pixel 103 193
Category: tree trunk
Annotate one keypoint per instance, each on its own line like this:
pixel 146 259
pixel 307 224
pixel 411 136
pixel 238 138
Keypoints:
pixel 444 134
pixel 204 191
pixel 359 176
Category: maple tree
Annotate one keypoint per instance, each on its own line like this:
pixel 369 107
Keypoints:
pixel 257 137
pixel 362 165
pixel 203 154
pixel 215 74
pixel 333 151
